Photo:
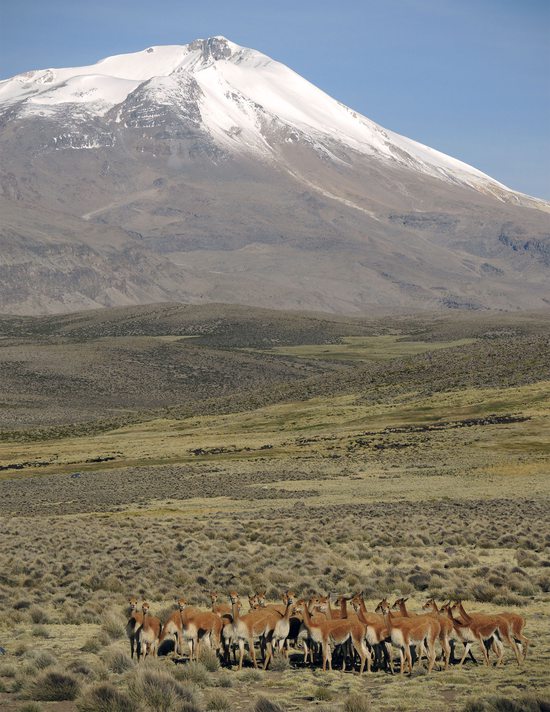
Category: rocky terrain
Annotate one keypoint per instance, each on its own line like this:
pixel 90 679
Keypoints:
pixel 209 172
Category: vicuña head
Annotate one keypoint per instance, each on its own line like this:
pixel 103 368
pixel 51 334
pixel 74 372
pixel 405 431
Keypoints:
pixel 398 603
pixel 383 606
pixel 429 605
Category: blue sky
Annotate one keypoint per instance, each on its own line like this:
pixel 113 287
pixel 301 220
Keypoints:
pixel 468 77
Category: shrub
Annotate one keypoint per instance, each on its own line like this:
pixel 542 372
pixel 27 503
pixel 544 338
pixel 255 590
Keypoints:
pixel 194 672
pixel 81 668
pixel 38 615
pixel 21 605
pixel 72 615
pixel 251 675
pixel 20 650
pixel 504 704
pixel 113 627
pixel 279 663
pixel 18 683
pixel 225 680
pixel 322 693
pixel 265 705
pixel 209 659
pixel 484 593
pixel 157 691
pixel 103 638
pixel 8 670
pixel 356 703
pixel 40 659
pixel 39 631
pixel 217 701
pixel 54 686
pixel 420 580
pixel 105 698
pixel 506 598
pixel 118 662
pixel 92 645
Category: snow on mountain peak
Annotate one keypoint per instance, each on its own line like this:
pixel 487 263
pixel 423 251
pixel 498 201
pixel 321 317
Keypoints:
pixel 51 87
pixel 235 92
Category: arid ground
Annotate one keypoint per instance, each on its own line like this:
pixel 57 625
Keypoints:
pixel 167 451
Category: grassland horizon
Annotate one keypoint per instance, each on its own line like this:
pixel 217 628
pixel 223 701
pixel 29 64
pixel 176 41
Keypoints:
pixel 165 451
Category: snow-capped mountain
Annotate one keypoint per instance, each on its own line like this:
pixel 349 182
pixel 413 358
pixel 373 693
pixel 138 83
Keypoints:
pixel 235 93
pixel 252 185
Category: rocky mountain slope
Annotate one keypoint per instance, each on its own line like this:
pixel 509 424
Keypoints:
pixel 209 172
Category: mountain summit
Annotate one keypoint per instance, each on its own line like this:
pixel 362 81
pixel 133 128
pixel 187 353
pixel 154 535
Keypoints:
pixel 209 171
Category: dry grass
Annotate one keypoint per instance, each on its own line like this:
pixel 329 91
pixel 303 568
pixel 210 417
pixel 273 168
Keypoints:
pixel 392 488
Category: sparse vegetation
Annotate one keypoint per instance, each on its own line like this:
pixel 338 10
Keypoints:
pixel 419 474
pixel 158 691
pixel 356 703
pixel 118 661
pixel 218 701
pixel 105 698
pixel 54 685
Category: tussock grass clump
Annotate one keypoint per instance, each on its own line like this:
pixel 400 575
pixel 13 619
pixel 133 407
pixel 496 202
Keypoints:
pixel 38 615
pixel 224 680
pixel 484 593
pixel 21 605
pixel 81 668
pixel 113 627
pixel 103 638
pixel 105 698
pixel 251 675
pixel 217 701
pixel 31 707
pixel 506 598
pixel 356 702
pixel 194 672
pixel 40 660
pixel 8 670
pixel 40 631
pixel 323 693
pixel 265 705
pixel 118 662
pixel 526 703
pixel 73 616
pixel 54 685
pixel 92 645
pixel 279 663
pixel 18 683
pixel 209 659
pixel 158 691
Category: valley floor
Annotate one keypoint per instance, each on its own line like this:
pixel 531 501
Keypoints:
pixel 414 477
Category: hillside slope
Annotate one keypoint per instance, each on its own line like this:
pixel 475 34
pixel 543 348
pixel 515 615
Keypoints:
pixel 209 172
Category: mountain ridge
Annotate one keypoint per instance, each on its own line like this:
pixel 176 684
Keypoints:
pixel 162 75
pixel 239 181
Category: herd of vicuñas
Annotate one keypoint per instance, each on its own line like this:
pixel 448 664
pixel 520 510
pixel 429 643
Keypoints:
pixel 350 638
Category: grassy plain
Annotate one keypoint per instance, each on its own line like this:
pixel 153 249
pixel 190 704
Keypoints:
pixel 367 348
pixel 419 465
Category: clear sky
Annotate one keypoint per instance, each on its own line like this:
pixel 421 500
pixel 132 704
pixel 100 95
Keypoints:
pixel 468 77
